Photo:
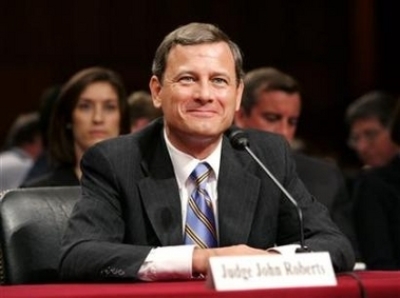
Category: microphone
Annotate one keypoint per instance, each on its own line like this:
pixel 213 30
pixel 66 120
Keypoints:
pixel 240 141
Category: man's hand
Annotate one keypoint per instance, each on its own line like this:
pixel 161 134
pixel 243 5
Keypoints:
pixel 201 256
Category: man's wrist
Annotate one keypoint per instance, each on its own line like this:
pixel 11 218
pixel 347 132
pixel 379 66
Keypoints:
pixel 200 261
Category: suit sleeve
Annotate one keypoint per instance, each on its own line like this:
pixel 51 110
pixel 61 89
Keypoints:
pixel 341 212
pixel 373 205
pixel 92 247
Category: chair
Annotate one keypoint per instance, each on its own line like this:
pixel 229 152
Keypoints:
pixel 32 221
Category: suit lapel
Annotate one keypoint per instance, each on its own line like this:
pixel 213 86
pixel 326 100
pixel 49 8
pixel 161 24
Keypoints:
pixel 237 197
pixel 160 195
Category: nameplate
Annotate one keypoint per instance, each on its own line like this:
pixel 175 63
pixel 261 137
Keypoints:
pixel 270 271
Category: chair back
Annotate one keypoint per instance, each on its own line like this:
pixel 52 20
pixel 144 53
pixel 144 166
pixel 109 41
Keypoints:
pixel 32 222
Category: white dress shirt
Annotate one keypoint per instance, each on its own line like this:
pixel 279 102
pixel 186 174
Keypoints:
pixel 171 262
pixel 14 165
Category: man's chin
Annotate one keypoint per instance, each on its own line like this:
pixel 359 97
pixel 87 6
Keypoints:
pixel 206 128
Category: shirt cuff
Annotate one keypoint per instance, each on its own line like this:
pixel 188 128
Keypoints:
pixel 167 262
pixel 289 249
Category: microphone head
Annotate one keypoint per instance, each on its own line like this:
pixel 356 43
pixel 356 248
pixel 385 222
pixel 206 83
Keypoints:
pixel 237 137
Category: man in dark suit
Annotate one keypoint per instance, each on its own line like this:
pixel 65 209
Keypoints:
pixel 135 214
pixel 376 211
pixel 376 191
pixel 369 119
pixel 272 102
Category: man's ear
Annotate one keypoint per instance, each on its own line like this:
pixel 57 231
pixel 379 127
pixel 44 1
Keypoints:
pixel 155 89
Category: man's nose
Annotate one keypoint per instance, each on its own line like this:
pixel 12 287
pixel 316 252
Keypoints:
pixel 204 91
pixel 286 130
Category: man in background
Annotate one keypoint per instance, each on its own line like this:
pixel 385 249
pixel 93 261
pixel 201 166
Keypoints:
pixel 272 102
pixel 141 110
pixel 376 190
pixel 42 164
pixel 369 118
pixel 22 148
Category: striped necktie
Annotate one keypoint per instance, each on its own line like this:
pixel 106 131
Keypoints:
pixel 200 222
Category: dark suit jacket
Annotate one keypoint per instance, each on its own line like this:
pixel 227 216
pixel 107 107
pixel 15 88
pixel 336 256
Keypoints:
pixel 130 203
pixel 326 183
pixel 41 166
pixel 377 216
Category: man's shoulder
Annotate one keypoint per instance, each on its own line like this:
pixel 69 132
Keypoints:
pixel 317 169
pixel 14 158
pixel 257 133
pixel 264 139
pixel 142 138
pixel 119 143
pixel 314 162
pixel 389 173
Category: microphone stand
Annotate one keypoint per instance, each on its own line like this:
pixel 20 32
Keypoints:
pixel 239 141
pixel 303 247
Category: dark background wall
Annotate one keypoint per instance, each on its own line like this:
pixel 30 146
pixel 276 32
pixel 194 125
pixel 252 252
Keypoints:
pixel 337 49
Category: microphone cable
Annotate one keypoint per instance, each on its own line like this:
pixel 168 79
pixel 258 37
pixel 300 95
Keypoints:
pixel 360 284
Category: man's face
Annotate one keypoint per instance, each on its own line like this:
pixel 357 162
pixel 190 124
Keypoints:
pixel 372 142
pixel 199 94
pixel 274 111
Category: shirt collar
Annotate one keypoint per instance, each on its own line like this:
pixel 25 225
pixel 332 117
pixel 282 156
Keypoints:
pixel 184 164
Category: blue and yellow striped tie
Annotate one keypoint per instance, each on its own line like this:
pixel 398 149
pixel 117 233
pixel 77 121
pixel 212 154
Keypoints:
pixel 200 222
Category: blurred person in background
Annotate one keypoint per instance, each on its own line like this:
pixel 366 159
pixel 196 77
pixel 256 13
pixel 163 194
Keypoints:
pixel 42 164
pixel 23 146
pixel 272 102
pixel 376 191
pixel 91 107
pixel 369 118
pixel 141 109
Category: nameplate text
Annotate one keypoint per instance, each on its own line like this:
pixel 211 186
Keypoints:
pixel 271 271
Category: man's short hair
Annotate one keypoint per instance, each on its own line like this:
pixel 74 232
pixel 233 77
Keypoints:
pixel 375 104
pixel 141 106
pixel 24 130
pixel 265 79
